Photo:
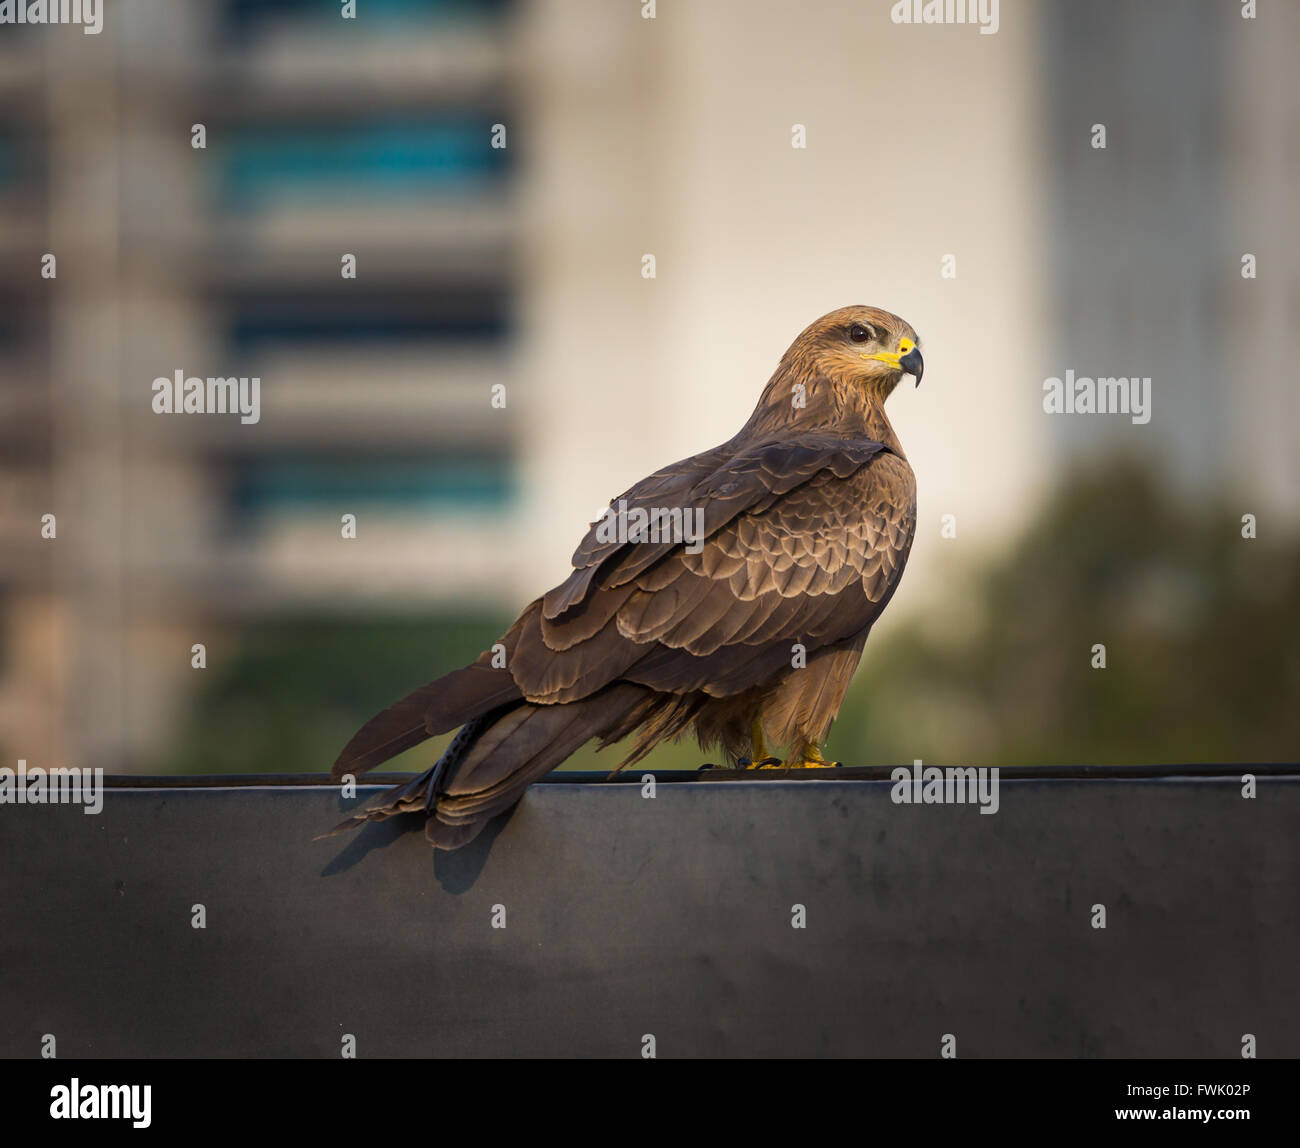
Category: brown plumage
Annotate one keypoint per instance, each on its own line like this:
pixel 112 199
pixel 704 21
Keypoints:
pixel 808 516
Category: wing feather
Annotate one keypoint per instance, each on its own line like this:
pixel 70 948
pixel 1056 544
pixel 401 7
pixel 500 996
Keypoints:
pixel 805 542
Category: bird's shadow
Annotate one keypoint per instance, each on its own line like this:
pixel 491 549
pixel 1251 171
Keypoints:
pixel 455 870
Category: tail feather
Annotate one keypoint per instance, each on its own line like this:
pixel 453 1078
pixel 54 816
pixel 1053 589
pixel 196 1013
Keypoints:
pixel 487 768
pixel 422 792
pixel 442 705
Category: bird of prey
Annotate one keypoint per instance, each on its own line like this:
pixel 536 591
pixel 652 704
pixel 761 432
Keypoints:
pixel 746 633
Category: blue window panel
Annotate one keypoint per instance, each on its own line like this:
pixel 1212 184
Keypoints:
pixel 243 16
pixel 466 484
pixel 385 159
pixel 476 315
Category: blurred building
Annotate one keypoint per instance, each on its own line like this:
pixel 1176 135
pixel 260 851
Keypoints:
pixel 324 139
pixel 1147 236
pixel 524 266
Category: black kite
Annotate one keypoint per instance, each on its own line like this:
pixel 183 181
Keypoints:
pixel 746 636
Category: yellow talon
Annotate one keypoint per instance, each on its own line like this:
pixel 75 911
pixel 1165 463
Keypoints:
pixel 810 758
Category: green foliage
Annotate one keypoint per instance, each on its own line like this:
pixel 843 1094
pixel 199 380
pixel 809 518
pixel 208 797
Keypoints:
pixel 1199 626
pixel 296 690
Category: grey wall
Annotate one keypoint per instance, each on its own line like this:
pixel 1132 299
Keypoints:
pixel 672 916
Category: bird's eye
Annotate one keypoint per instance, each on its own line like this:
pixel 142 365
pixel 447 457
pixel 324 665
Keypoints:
pixel 859 334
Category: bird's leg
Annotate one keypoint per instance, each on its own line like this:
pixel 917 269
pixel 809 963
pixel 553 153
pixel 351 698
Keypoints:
pixel 809 757
pixel 761 759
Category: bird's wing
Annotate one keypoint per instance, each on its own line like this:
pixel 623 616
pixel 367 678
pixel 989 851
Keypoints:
pixel 804 541
pixel 721 483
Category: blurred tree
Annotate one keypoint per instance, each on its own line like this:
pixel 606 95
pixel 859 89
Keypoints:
pixel 295 691
pixel 1198 623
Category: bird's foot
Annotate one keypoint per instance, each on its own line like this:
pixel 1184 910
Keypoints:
pixel 810 758
pixel 745 763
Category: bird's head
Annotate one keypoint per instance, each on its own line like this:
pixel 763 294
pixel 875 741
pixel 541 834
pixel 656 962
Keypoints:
pixel 861 346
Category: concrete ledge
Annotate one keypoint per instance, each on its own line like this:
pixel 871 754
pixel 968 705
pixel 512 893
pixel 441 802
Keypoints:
pixel 672 916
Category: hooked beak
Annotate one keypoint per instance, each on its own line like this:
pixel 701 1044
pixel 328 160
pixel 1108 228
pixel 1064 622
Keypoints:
pixel 907 358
